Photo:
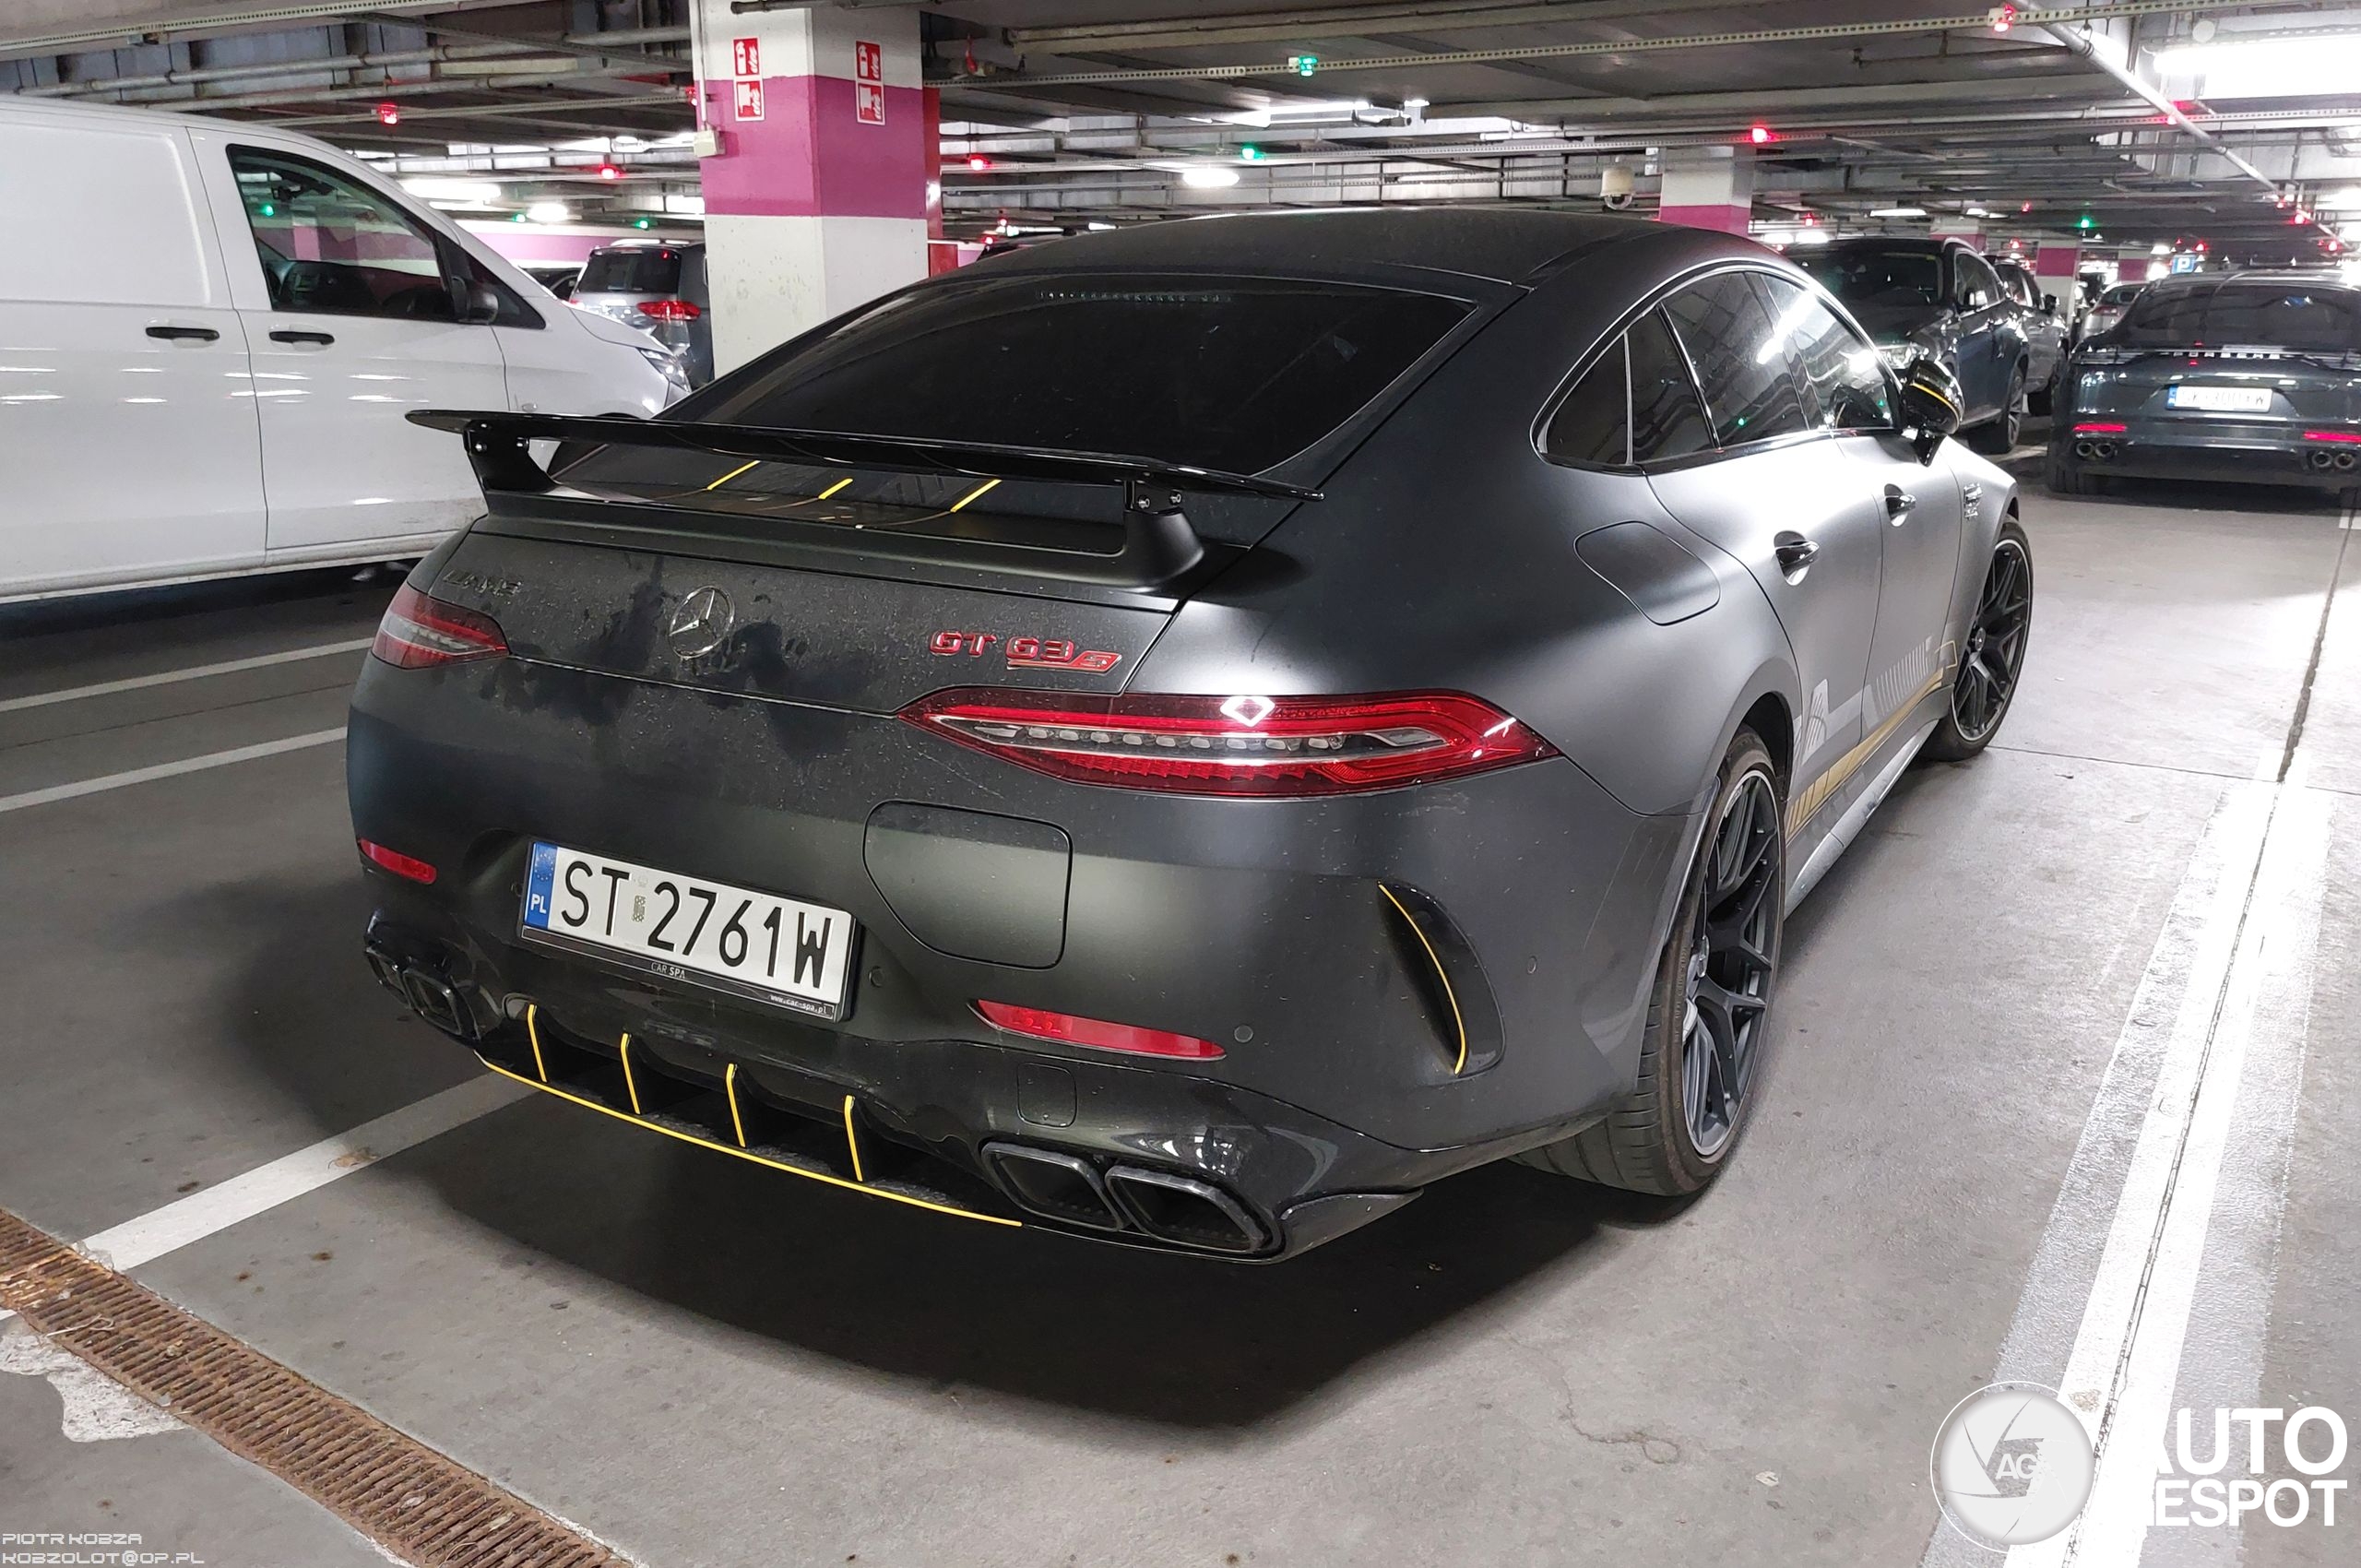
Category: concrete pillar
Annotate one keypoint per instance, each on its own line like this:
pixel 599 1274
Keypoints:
pixel 1708 187
pixel 816 199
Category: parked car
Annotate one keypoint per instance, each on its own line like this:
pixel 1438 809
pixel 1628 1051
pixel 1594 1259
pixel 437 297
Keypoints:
pixel 2108 308
pixel 558 280
pixel 659 287
pixel 2252 377
pixel 1940 299
pixel 210 347
pixel 1403 759
pixel 2044 330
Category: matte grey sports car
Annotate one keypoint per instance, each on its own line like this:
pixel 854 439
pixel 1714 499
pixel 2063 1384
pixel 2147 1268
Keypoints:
pixel 1190 734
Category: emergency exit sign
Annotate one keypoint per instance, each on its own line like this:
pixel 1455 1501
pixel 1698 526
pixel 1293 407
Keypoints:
pixel 869 84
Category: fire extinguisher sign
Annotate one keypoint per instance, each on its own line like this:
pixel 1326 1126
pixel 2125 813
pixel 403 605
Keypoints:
pixel 745 58
pixel 869 84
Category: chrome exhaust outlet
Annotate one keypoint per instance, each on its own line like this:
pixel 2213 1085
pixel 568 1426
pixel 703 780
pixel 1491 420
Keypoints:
pixel 2103 450
pixel 2345 461
pixel 1056 1186
pixel 1185 1212
pixel 2082 450
pixel 2320 461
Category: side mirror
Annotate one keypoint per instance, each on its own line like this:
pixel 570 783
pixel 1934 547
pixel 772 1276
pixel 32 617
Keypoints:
pixel 479 303
pixel 1931 404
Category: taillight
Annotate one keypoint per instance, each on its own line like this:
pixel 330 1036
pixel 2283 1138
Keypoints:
pixel 668 310
pixel 419 631
pixel 396 862
pixel 1042 1024
pixel 2100 429
pixel 2339 435
pixel 1238 745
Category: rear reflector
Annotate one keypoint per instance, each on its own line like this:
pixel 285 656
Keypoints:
pixel 2344 435
pixel 1238 745
pixel 1065 1027
pixel 419 631
pixel 2100 429
pixel 669 310
pixel 396 862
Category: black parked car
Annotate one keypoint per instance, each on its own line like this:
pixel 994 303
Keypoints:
pixel 2044 328
pixel 1190 734
pixel 2254 377
pixel 1940 299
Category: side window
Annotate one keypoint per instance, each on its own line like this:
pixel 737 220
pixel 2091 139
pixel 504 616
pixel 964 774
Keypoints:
pixel 1978 286
pixel 1667 419
pixel 1741 368
pixel 1843 383
pixel 1592 426
pixel 331 245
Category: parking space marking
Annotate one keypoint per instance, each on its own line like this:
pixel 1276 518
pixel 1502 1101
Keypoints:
pixel 194 672
pixel 186 1220
pixel 166 769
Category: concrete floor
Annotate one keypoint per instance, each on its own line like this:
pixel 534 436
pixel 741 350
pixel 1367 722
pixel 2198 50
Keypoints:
pixel 704 1365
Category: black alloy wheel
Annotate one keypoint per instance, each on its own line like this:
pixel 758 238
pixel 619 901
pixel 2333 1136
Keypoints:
pixel 1992 656
pixel 1733 958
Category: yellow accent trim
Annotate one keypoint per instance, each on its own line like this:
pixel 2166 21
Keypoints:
pixel 851 1142
pixel 630 1084
pixel 1436 959
pixel 981 490
pixel 758 1159
pixel 729 1088
pixel 833 488
pixel 733 473
pixel 534 1034
pixel 1807 804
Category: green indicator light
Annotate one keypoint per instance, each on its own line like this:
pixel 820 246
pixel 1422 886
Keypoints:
pixel 2085 222
pixel 269 210
pixel 643 223
pixel 1303 65
pixel 1250 153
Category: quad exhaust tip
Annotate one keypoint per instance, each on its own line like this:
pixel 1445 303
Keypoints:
pixel 430 996
pixel 1177 1209
pixel 2095 451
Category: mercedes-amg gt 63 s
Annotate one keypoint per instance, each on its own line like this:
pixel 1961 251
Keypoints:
pixel 1190 734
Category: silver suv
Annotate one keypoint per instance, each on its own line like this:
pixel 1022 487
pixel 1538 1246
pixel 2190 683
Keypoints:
pixel 659 287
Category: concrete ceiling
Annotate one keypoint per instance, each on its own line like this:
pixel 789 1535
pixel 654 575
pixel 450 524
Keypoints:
pixel 1093 109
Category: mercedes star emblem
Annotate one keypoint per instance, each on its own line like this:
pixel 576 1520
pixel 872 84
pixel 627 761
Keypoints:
pixel 700 623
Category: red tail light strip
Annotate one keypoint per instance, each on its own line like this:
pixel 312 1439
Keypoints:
pixel 1041 1024
pixel 396 862
pixel 1238 745
pixel 669 310
pixel 418 631
pixel 2100 429
pixel 2339 435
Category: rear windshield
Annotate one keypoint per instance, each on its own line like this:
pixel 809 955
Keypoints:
pixel 1222 373
pixel 2309 316
pixel 1880 276
pixel 650 271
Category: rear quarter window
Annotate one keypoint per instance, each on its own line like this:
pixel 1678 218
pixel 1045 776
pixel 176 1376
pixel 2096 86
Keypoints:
pixel 2300 315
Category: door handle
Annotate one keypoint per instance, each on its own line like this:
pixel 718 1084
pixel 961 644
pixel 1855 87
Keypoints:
pixel 297 335
pixel 199 334
pixel 1898 502
pixel 1795 554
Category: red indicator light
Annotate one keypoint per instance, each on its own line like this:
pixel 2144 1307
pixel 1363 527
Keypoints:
pixel 1041 1024
pixel 608 172
pixel 2100 429
pixel 670 310
pixel 1238 745
pixel 978 162
pixel 1758 135
pixel 2346 436
pixel 394 861
pixel 419 632
pixel 389 113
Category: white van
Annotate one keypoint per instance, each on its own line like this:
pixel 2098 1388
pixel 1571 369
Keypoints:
pixel 209 332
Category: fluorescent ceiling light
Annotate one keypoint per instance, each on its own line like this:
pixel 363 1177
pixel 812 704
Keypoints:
pixel 1208 176
pixel 1812 236
pixel 1898 213
pixel 548 212
pixel 2268 68
pixel 478 193
pixel 2343 200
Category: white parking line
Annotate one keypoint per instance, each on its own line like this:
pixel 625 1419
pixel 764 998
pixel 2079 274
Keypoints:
pixel 166 769
pixel 177 1224
pixel 194 672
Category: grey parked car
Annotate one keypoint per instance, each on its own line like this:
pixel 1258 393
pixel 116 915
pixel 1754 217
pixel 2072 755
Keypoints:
pixel 659 287
pixel 1940 298
pixel 1192 796
pixel 2044 330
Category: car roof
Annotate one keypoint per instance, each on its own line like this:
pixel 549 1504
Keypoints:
pixel 1897 242
pixel 1504 244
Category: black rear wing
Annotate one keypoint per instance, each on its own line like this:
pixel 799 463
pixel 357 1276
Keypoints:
pixel 1158 542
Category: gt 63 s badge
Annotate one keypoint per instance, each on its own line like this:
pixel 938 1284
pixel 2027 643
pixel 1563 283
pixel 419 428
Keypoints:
pixel 1026 653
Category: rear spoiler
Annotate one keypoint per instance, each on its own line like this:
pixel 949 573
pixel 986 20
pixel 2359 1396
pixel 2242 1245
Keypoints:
pixel 1158 542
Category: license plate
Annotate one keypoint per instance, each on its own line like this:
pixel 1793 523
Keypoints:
pixel 782 951
pixel 2221 399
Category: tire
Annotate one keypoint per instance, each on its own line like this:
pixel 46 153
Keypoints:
pixel 1998 435
pixel 2066 476
pixel 1651 1142
pixel 1973 715
pixel 2043 398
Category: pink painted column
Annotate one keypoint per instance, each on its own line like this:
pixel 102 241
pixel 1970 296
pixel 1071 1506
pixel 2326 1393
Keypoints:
pixel 1709 187
pixel 816 200
pixel 2054 267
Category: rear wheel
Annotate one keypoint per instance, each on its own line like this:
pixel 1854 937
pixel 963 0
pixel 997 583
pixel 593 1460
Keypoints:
pixel 1709 1011
pixel 1994 655
pixel 2066 476
pixel 1999 435
pixel 2044 398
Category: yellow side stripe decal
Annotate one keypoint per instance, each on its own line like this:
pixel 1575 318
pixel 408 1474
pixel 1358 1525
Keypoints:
pixel 983 489
pixel 834 488
pixel 851 1142
pixel 1436 959
pixel 533 1033
pixel 729 1088
pixel 758 1159
pixel 1827 784
pixel 631 1084
pixel 733 473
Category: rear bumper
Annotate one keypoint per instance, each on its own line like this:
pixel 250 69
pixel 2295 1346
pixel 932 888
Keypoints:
pixel 2232 454
pixel 1262 926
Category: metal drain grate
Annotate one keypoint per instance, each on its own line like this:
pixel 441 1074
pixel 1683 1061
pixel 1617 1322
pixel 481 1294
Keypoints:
pixel 419 1506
